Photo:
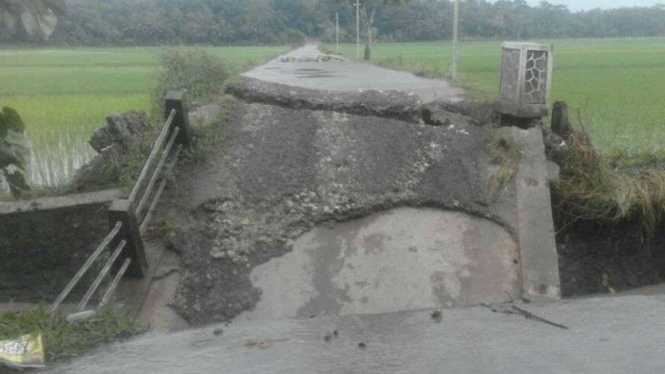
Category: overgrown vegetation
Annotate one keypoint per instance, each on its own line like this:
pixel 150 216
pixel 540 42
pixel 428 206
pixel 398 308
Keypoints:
pixel 64 95
pixel 14 151
pixel 215 134
pixel 206 138
pixel 63 339
pixel 609 189
pixel 617 82
pixel 194 70
pixel 505 154
pixel 202 77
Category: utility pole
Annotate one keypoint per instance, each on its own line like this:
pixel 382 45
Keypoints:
pixel 358 5
pixel 337 30
pixel 453 66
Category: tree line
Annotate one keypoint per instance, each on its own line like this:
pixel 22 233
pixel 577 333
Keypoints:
pixel 227 22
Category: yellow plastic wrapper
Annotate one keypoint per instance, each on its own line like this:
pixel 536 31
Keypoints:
pixel 24 352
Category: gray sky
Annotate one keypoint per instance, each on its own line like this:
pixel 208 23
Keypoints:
pixel 590 4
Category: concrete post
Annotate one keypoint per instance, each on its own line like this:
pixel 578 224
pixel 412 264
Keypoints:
pixel 122 211
pixel 539 258
pixel 560 120
pixel 526 80
pixel 175 100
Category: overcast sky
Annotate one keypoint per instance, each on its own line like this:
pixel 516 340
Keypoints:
pixel 591 4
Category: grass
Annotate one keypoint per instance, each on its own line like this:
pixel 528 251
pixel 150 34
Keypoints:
pixel 612 169
pixel 617 84
pixel 64 340
pixel 64 96
pixel 609 189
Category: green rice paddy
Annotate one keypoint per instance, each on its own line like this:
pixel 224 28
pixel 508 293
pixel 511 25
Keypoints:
pixel 64 96
pixel 616 87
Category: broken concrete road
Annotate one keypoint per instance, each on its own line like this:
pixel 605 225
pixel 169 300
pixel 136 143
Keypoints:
pixel 612 335
pixel 287 170
pixel 303 67
pixel 332 202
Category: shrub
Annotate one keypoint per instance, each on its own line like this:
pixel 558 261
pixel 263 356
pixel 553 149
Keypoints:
pixel 609 189
pixel 14 151
pixel 194 70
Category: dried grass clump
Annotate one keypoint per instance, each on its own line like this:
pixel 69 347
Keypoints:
pixel 608 189
pixel 505 154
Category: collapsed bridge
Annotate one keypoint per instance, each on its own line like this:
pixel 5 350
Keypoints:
pixel 330 227
pixel 336 201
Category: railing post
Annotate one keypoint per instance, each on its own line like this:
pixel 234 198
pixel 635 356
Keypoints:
pixel 122 210
pixel 175 100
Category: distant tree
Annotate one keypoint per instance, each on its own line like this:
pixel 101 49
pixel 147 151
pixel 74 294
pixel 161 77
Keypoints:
pixel 217 22
pixel 35 19
pixel 368 12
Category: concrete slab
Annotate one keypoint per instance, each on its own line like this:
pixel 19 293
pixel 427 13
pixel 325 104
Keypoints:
pixel 157 310
pixel 287 170
pixel 540 261
pixel 606 336
pixel 60 202
pixel 401 259
pixel 303 67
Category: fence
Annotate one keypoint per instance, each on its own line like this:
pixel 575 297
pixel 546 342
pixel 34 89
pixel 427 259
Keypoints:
pixel 129 218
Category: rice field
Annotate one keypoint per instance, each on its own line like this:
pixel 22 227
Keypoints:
pixel 616 85
pixel 64 95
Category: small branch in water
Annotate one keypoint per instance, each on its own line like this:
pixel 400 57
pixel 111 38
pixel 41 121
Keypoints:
pixel 529 315
pixel 511 308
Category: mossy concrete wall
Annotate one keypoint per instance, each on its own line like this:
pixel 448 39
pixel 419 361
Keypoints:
pixel 44 242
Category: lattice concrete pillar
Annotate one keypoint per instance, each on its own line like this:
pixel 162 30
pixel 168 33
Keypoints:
pixel 526 79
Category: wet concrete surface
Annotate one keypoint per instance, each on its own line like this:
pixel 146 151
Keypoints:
pixel 615 335
pixel 396 260
pixel 288 170
pixel 306 67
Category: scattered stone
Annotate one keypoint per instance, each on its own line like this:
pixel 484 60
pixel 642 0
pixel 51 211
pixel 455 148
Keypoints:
pixel 362 345
pixel 262 204
pixel 258 343
pixel 217 253
pixel 328 337
pixel 118 129
pixel 218 331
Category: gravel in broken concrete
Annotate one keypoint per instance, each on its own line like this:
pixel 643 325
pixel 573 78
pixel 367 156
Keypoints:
pixel 286 170
pixel 389 104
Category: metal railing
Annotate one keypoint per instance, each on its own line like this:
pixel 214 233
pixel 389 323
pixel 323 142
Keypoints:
pixel 129 218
